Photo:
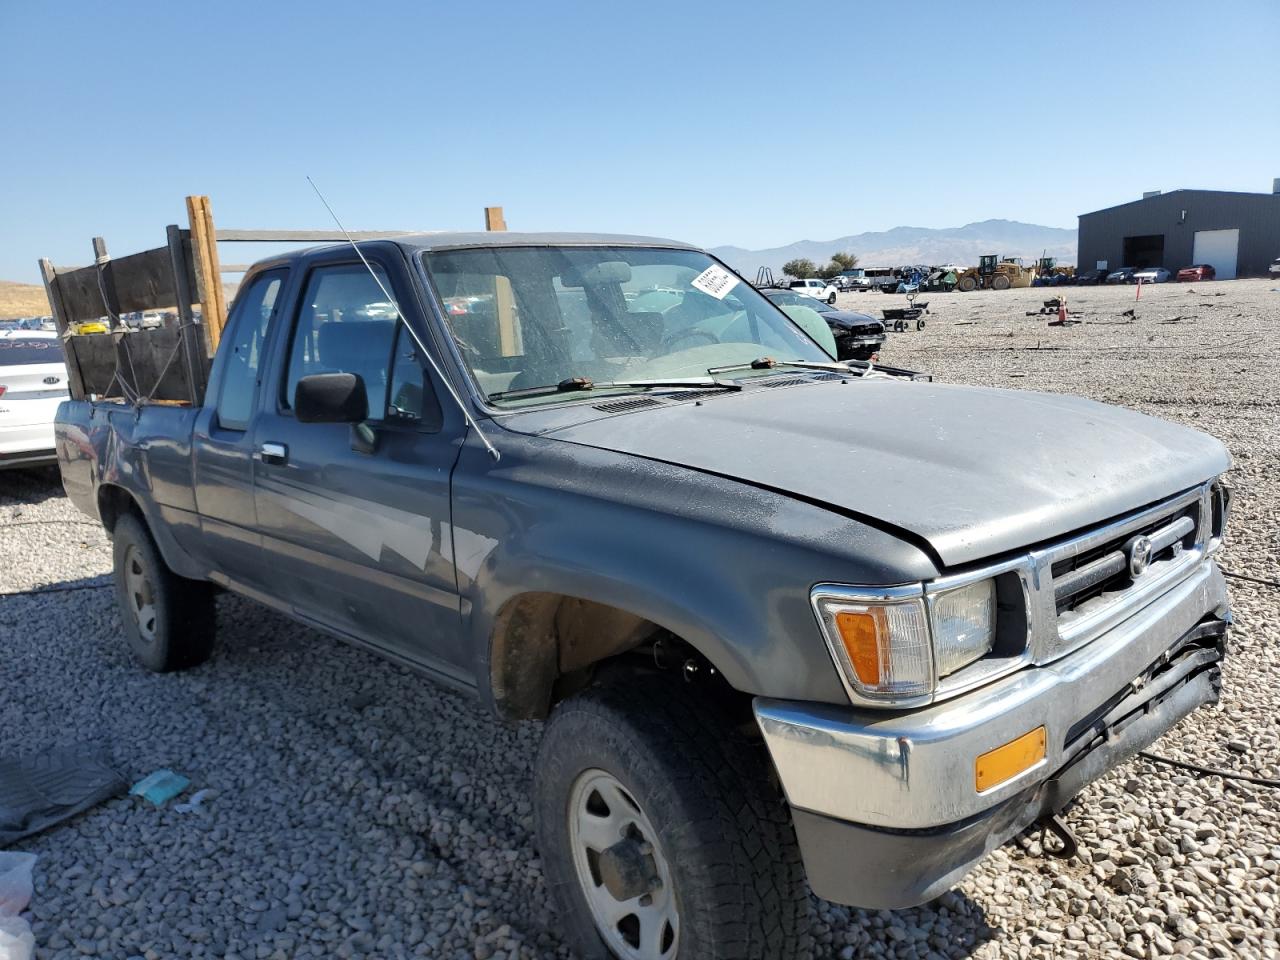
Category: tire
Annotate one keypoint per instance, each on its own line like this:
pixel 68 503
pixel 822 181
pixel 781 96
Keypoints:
pixel 967 285
pixel 831 299
pixel 173 631
pixel 920 324
pixel 999 282
pixel 688 781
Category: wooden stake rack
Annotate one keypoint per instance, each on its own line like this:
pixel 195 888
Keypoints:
pixel 168 363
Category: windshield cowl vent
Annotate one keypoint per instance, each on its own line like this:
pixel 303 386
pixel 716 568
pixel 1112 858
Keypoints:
pixel 794 381
pixel 627 404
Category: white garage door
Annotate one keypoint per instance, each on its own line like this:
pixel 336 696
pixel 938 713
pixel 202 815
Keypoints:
pixel 1218 249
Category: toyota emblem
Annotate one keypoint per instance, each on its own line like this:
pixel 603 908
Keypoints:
pixel 1139 557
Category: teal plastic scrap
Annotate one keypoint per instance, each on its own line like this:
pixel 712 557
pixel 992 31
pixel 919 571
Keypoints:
pixel 160 787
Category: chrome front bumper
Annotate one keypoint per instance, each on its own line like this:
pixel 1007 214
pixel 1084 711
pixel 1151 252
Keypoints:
pixel 914 770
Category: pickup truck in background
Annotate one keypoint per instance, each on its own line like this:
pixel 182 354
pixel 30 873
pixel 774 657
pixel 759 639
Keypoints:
pixel 787 619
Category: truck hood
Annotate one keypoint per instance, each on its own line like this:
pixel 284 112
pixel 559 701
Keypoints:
pixel 973 471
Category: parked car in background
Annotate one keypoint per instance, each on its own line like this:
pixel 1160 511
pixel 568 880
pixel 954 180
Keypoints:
pixel 818 289
pixel 1152 275
pixel 1201 271
pixel 858 336
pixel 1275 267
pixel 845 284
pixel 33 381
pixel 1123 275
pixel 1090 278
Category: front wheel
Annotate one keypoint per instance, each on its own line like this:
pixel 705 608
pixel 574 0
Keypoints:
pixel 661 833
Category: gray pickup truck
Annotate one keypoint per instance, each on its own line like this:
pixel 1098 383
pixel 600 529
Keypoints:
pixel 792 623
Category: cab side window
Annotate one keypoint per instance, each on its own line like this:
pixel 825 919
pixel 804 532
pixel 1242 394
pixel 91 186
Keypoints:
pixel 345 325
pixel 250 317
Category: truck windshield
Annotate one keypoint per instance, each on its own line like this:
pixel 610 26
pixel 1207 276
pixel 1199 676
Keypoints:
pixel 526 317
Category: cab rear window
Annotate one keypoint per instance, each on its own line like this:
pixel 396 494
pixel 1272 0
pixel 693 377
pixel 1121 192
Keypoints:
pixel 17 351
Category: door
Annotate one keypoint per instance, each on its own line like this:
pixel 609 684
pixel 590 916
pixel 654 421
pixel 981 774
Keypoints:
pixel 360 540
pixel 1218 248
pixel 222 440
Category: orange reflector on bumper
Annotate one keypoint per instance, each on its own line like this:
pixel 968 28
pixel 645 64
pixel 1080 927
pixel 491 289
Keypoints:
pixel 1004 763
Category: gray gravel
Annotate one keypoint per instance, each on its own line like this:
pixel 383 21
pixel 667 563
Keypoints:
pixel 356 810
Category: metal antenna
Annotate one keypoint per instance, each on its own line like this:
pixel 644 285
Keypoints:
pixel 466 414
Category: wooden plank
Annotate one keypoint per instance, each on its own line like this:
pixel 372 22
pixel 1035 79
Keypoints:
pixel 306 236
pixel 143 281
pixel 503 299
pixel 81 294
pixel 138 282
pixel 75 382
pixel 150 361
pixel 204 256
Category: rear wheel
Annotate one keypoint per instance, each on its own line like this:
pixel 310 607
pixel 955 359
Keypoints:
pixel 1000 282
pixel 831 299
pixel 168 620
pixel 661 833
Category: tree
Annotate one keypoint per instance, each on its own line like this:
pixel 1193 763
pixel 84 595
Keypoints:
pixel 839 262
pixel 801 269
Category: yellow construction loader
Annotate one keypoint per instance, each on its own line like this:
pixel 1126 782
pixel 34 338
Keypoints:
pixel 991 273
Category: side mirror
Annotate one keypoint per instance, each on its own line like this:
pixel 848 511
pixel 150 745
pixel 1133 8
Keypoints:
pixel 331 398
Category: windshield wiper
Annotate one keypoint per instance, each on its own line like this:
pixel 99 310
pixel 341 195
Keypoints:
pixel 768 363
pixel 574 384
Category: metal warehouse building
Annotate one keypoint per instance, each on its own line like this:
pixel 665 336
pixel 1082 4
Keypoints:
pixel 1237 233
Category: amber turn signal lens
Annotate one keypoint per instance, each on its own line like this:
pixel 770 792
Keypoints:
pixel 860 633
pixel 1004 763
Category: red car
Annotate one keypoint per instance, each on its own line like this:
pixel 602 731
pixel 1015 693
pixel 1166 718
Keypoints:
pixel 1201 271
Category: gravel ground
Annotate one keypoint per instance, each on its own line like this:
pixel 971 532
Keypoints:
pixel 356 810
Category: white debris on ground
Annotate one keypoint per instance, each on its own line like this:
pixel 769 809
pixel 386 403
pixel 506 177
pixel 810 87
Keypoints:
pixel 354 809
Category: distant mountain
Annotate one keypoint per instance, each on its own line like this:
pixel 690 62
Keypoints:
pixel 910 245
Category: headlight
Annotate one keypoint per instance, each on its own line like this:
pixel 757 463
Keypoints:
pixel 895 645
pixel 964 625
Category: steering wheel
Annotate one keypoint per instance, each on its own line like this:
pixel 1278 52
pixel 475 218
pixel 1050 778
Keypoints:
pixel 671 340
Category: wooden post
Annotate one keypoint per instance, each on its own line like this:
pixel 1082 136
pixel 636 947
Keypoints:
pixel 193 356
pixel 503 300
pixel 204 256
pixel 74 380
pixel 105 284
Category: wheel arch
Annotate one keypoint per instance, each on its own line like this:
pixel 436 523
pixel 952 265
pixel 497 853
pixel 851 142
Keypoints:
pixel 544 645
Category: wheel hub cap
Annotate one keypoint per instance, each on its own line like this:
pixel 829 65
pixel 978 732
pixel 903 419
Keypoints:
pixel 141 597
pixel 623 873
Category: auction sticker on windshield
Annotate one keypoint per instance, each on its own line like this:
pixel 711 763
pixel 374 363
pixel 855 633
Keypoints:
pixel 716 281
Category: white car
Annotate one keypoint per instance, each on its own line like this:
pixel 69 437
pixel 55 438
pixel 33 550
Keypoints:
pixel 818 289
pixel 1275 267
pixel 1152 275
pixel 33 381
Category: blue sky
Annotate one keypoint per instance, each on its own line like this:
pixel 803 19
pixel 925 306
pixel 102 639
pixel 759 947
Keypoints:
pixel 748 123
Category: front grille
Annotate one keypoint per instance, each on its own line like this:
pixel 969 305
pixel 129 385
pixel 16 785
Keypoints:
pixel 1105 568
pixel 1093 581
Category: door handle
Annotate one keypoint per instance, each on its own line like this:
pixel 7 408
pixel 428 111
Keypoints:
pixel 271 452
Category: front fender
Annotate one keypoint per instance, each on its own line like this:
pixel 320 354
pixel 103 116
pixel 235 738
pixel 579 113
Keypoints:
pixel 725 566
